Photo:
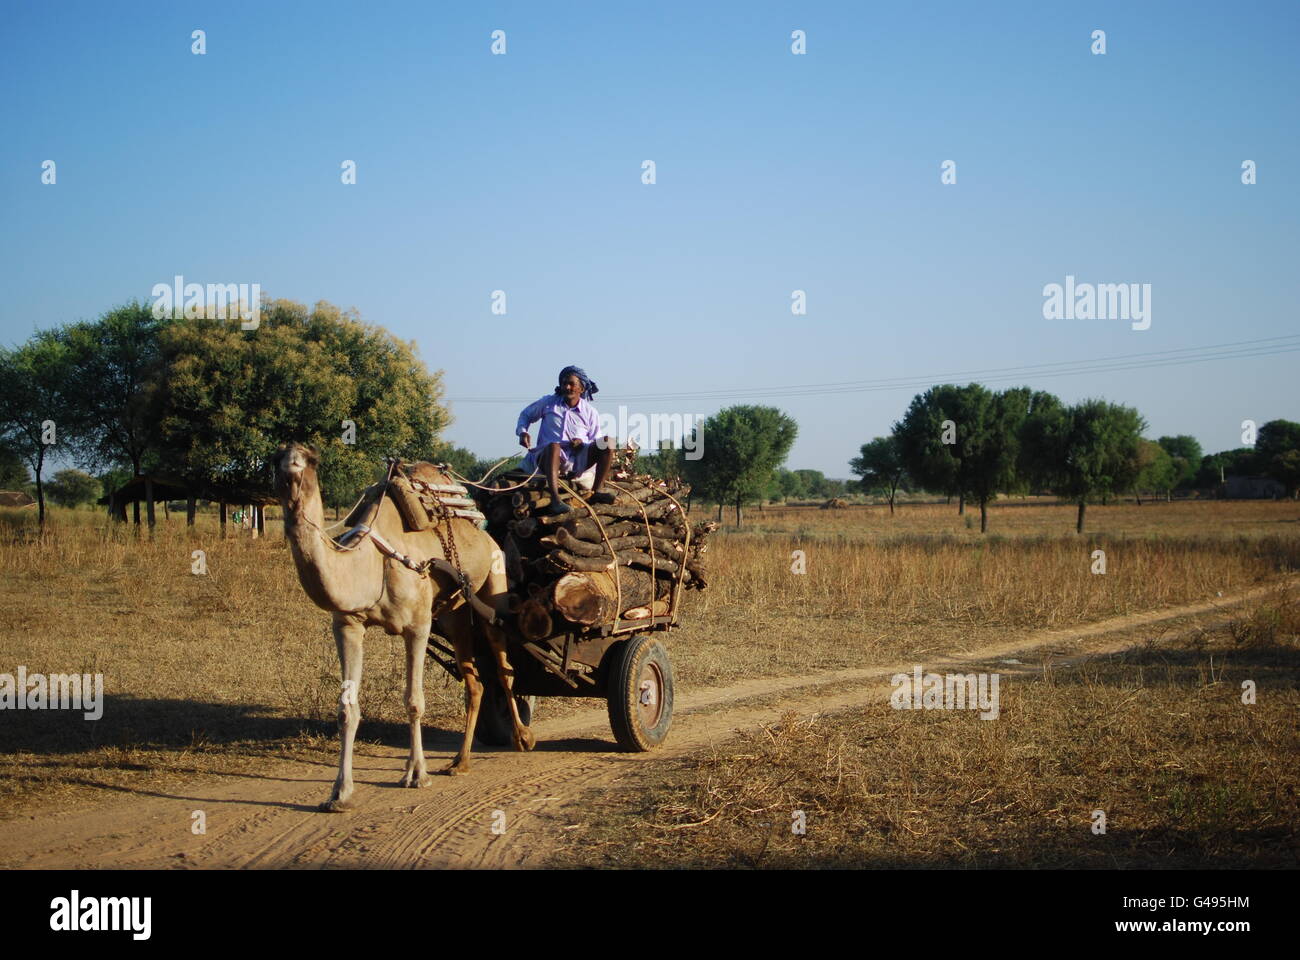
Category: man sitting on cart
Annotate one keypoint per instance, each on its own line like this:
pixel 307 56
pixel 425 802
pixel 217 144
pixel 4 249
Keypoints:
pixel 568 441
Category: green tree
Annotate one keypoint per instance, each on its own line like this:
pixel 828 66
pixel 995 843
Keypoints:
pixel 880 466
pixel 1185 454
pixel 965 440
pixel 812 483
pixel 1089 449
pixel 1278 449
pixel 230 396
pixel 71 488
pixel 923 436
pixel 33 407
pixel 1215 467
pixel 1157 471
pixel 743 446
pixel 13 472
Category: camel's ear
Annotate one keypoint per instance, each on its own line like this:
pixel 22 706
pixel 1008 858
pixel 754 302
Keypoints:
pixel 313 455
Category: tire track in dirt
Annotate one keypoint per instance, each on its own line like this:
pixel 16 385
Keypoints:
pixel 270 819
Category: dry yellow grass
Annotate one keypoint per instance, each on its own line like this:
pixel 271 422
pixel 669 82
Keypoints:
pixel 204 673
pixel 1158 738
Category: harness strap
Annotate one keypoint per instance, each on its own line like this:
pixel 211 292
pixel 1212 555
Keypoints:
pixel 437 563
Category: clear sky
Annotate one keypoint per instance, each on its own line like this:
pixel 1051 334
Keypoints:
pixel 775 172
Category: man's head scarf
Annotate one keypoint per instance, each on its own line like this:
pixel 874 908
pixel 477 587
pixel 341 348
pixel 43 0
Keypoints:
pixel 589 387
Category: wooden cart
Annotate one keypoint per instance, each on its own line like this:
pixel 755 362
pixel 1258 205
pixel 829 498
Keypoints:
pixel 623 662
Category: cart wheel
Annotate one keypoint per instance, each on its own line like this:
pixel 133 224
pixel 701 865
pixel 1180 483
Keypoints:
pixel 640 693
pixel 495 727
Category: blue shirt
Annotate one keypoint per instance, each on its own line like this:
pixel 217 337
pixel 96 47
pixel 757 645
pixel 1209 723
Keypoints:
pixel 560 423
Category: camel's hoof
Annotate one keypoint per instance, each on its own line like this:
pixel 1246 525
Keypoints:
pixel 525 741
pixel 336 806
pixel 456 769
pixel 423 780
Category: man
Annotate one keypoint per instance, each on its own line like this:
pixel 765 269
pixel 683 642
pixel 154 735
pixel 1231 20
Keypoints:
pixel 569 440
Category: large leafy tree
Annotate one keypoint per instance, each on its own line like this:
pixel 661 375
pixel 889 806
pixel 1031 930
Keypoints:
pixel 881 467
pixel 13 472
pixel 1157 471
pixel 1185 456
pixel 965 440
pixel 34 417
pixel 1089 449
pixel 1215 467
pixel 71 488
pixel 922 436
pixel 743 445
pixel 114 369
pixel 321 376
pixel 1278 450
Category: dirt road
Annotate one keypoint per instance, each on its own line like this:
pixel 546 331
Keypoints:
pixel 270 819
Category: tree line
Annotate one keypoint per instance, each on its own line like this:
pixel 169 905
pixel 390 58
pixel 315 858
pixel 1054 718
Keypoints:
pixel 974 443
pixel 205 402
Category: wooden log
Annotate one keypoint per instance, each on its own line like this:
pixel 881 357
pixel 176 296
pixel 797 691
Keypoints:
pixel 669 548
pixel 568 561
pixel 657 609
pixel 589 533
pixel 588 598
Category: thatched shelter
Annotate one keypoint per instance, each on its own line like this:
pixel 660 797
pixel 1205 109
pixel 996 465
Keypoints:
pixel 151 489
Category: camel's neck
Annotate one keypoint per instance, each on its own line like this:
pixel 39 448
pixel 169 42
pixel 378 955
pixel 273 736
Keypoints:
pixel 335 580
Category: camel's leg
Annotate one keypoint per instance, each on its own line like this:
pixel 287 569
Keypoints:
pixel 493 592
pixel 348 637
pixel 417 641
pixel 455 626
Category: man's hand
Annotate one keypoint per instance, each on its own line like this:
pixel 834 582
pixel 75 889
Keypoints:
pixel 575 444
pixel 525 440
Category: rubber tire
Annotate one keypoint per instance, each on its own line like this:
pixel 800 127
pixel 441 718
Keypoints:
pixel 629 659
pixel 495 727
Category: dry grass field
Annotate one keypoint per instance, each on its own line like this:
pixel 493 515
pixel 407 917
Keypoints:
pixel 210 674
pixel 1157 737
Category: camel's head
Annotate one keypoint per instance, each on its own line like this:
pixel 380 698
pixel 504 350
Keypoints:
pixel 294 465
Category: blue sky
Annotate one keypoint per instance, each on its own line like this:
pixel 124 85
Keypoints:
pixel 775 172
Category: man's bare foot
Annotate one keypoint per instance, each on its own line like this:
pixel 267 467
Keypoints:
pixel 601 496
pixel 557 507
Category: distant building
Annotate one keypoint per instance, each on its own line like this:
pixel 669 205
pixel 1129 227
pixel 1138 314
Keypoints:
pixel 1253 488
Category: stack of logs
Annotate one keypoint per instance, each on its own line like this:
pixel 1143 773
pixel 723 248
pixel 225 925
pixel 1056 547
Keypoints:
pixel 563 568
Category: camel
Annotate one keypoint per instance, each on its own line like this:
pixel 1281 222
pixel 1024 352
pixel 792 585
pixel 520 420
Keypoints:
pixel 363 587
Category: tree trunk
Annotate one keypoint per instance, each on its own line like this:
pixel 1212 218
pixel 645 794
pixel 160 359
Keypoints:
pixel 40 488
pixel 1083 505
pixel 259 518
pixel 961 504
pixel 891 503
pixel 984 516
pixel 739 517
pixel 148 501
pixel 223 518
pixel 135 512
pixel 190 506
pixel 719 510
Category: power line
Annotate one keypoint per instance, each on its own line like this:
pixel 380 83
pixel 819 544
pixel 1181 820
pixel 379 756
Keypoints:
pixel 1159 358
